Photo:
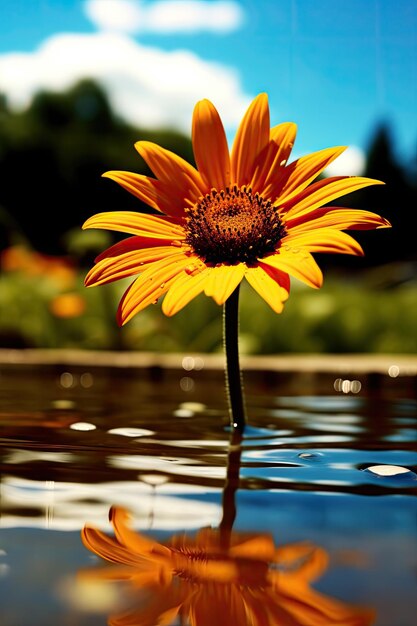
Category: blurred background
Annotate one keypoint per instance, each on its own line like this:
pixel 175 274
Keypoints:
pixel 81 81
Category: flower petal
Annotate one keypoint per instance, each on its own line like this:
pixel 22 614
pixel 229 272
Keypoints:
pixel 135 542
pixel 324 191
pixel 300 173
pixel 251 138
pixel 274 156
pixel 223 280
pixel 154 193
pixel 150 286
pixel 117 573
pixel 224 606
pixel 269 289
pixel 259 547
pixel 134 223
pixel 211 151
pixel 184 289
pixel 297 263
pixel 106 547
pixel 336 217
pixel 132 243
pixel 135 262
pixel 328 240
pixel 181 178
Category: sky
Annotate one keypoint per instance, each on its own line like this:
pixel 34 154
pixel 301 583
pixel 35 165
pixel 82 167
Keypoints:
pixel 337 68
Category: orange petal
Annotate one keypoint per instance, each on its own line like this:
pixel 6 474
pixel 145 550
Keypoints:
pixel 106 547
pixel 324 191
pixel 260 547
pixel 182 180
pixel 223 280
pixel 269 289
pixel 160 610
pixel 270 164
pixel 113 573
pixel 301 173
pixel 137 224
pixel 184 289
pixel 328 240
pixel 223 607
pixel 302 558
pixel 297 263
pixel 115 268
pixel 251 138
pixel 211 151
pixel 130 244
pixel 154 193
pixel 150 286
pixel 336 217
pixel 135 542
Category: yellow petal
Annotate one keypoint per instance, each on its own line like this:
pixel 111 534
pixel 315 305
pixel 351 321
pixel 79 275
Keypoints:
pixel 181 178
pixel 211 151
pixel 184 289
pixel 150 286
pixel 271 291
pixel 336 217
pixel 137 224
pixel 301 173
pixel 154 193
pixel 297 263
pixel 223 280
pixel 328 240
pixel 251 138
pixel 270 164
pixel 324 191
pixel 128 264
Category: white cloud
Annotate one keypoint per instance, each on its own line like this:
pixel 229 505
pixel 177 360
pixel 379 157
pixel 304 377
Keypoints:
pixel 194 15
pixel 350 163
pixel 165 16
pixel 116 15
pixel 146 86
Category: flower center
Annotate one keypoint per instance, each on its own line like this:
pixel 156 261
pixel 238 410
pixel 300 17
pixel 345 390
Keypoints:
pixel 233 226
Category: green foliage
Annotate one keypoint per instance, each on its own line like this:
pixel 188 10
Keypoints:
pixel 343 317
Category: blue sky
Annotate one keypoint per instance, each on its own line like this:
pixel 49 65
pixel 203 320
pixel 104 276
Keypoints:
pixel 336 67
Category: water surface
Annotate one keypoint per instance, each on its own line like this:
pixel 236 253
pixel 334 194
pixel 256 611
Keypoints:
pixel 325 459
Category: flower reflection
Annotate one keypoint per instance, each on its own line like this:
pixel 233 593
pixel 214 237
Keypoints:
pixel 217 578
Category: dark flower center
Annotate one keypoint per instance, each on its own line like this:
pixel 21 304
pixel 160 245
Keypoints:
pixel 233 226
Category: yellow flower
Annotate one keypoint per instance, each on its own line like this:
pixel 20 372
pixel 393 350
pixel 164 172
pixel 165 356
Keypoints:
pixel 248 214
pixel 247 583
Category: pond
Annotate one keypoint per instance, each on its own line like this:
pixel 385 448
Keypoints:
pixel 325 478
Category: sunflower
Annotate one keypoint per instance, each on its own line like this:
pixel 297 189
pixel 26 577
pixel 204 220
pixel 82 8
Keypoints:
pixel 202 582
pixel 246 214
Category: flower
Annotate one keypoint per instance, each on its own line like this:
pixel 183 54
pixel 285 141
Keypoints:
pixel 248 214
pixel 34 264
pixel 248 582
pixel 67 305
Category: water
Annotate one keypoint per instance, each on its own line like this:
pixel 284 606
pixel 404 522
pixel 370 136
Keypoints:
pixel 325 460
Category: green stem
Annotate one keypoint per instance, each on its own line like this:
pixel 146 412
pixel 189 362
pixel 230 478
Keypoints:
pixel 233 374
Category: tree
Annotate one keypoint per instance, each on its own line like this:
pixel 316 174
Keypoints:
pixel 53 154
